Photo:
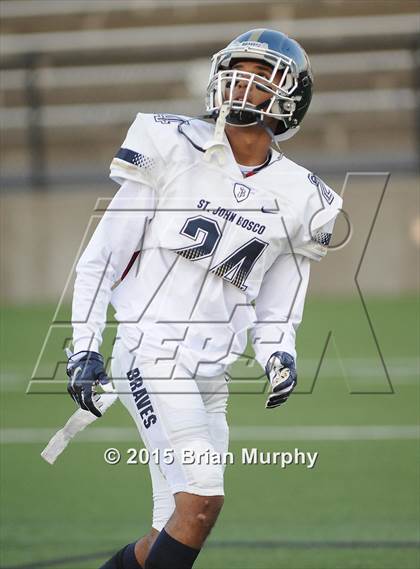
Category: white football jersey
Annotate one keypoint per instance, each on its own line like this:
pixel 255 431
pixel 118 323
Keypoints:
pixel 247 222
pixel 211 243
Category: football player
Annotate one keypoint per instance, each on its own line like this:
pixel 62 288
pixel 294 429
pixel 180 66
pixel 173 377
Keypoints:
pixel 210 235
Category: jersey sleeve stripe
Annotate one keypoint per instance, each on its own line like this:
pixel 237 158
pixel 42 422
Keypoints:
pixel 134 158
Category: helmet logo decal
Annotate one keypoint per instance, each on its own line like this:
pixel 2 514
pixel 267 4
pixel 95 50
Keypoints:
pixel 253 44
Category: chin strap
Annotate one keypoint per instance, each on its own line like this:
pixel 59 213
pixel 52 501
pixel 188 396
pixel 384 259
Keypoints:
pixel 216 146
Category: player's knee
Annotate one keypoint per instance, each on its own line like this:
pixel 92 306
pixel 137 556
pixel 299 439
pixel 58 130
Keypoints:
pixel 199 511
pixel 201 478
pixel 209 511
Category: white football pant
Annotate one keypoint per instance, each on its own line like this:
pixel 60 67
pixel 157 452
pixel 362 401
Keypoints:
pixel 181 413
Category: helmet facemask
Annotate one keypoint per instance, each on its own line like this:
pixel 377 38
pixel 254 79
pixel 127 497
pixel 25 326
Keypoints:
pixel 280 86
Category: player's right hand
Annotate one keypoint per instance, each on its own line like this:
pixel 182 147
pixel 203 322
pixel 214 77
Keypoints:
pixel 85 371
pixel 281 371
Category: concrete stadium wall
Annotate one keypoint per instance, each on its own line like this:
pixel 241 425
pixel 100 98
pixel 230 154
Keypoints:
pixel 41 234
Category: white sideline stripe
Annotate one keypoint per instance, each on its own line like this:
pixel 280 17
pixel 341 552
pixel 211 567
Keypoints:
pixel 112 435
pixel 327 433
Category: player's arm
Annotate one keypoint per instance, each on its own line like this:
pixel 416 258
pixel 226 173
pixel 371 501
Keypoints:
pixel 281 298
pixel 110 249
pixel 279 308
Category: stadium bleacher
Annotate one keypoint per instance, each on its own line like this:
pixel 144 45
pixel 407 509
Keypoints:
pixel 74 74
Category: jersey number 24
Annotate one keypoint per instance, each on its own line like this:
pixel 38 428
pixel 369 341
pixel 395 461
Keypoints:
pixel 206 234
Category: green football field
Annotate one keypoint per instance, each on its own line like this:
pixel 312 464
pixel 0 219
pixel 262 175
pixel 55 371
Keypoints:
pixel 358 507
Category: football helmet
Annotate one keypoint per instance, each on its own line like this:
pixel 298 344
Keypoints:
pixel 290 83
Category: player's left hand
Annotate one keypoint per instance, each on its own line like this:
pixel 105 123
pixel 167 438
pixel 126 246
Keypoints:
pixel 281 371
pixel 85 371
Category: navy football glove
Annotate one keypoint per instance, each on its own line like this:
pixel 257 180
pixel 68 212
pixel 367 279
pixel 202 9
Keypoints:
pixel 85 371
pixel 281 371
